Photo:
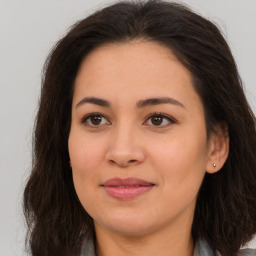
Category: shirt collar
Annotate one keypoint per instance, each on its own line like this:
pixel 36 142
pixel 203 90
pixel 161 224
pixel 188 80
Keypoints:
pixel 202 248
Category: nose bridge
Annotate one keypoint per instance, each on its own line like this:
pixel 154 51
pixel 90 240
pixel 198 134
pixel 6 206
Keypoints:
pixel 125 147
pixel 123 132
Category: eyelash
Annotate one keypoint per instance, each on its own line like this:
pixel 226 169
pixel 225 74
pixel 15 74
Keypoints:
pixel 170 120
pixel 87 117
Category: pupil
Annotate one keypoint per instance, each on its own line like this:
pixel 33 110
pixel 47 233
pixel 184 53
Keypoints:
pixel 96 120
pixel 157 120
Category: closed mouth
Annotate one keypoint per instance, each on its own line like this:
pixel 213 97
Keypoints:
pixel 128 188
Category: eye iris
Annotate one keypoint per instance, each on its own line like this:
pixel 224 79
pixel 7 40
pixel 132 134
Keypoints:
pixel 157 120
pixel 96 120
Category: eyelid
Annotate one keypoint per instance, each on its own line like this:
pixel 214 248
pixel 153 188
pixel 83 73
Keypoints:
pixel 168 117
pixel 86 117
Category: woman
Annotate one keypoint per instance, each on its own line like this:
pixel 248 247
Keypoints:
pixel 144 140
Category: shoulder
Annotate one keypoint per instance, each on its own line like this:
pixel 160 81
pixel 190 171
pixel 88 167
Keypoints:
pixel 202 248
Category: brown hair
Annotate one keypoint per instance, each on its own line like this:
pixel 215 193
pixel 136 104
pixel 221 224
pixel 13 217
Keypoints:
pixel 225 213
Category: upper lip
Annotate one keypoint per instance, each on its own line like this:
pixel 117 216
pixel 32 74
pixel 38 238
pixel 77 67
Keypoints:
pixel 117 182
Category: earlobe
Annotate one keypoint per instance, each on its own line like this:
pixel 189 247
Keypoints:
pixel 219 148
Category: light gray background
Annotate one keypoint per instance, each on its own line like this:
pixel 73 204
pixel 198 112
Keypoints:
pixel 28 29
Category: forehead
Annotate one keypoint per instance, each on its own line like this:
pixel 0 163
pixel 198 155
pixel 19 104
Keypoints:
pixel 133 70
pixel 140 54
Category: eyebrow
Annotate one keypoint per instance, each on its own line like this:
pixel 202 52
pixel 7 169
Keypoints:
pixel 93 100
pixel 139 104
pixel 158 101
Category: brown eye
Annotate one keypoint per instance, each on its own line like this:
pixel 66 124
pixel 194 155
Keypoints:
pixel 156 120
pixel 160 120
pixel 95 120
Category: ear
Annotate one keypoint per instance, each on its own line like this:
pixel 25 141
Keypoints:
pixel 218 148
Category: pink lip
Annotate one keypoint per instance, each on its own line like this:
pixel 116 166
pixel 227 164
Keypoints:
pixel 126 188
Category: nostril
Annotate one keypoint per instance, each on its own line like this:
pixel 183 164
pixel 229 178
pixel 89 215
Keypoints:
pixel 111 161
pixel 121 163
pixel 132 161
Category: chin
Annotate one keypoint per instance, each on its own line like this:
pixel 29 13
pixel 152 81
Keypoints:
pixel 135 225
pixel 130 230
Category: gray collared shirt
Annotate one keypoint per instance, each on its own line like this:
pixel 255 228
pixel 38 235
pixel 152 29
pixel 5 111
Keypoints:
pixel 202 248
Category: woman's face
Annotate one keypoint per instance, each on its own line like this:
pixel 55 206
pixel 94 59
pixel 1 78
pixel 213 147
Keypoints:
pixel 137 144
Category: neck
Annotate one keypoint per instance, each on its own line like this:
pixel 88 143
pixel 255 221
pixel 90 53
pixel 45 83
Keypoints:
pixel 174 242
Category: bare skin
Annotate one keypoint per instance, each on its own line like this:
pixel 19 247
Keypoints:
pixel 118 131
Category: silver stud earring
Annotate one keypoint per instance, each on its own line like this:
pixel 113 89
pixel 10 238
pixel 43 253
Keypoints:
pixel 214 165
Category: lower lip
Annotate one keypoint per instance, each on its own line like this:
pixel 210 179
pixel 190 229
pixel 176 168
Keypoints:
pixel 127 192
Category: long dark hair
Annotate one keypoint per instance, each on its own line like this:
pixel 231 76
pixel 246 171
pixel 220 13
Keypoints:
pixel 225 212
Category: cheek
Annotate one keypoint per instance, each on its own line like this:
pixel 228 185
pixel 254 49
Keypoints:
pixel 180 150
pixel 181 162
pixel 181 171
pixel 86 157
pixel 85 154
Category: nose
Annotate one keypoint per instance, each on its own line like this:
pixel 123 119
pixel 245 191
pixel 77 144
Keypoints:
pixel 125 148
